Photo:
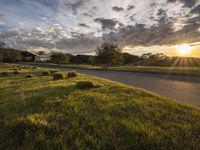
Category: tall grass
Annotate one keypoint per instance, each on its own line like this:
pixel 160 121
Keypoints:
pixel 39 113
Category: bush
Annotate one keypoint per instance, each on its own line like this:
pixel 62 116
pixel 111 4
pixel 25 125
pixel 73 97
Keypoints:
pixel 34 67
pixel 84 85
pixel 58 76
pixel 4 74
pixel 29 76
pixel 16 72
pixel 46 73
pixel 71 74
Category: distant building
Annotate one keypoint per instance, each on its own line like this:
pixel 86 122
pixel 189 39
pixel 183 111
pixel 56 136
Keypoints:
pixel 28 56
pixel 42 56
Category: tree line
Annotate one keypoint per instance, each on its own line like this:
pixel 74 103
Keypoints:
pixel 110 54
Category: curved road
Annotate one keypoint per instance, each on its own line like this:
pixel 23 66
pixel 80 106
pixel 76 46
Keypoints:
pixel 181 88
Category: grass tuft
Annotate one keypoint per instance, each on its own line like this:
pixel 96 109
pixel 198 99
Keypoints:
pixel 71 74
pixel 45 73
pixel 84 85
pixel 16 72
pixel 58 76
pixel 29 76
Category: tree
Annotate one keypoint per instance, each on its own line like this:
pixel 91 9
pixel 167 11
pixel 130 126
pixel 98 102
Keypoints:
pixel 109 54
pixel 59 58
pixel 13 56
pixel 130 59
pixel 147 55
pixel 83 59
pixel 7 55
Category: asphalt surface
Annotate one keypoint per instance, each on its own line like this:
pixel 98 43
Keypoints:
pixel 181 88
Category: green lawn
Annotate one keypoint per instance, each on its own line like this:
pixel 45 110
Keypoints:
pixel 40 113
pixel 191 71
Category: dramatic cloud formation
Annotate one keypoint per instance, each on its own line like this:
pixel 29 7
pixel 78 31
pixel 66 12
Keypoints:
pixel 77 26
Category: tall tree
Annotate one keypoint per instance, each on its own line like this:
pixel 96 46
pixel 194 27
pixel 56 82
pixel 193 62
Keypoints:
pixel 109 54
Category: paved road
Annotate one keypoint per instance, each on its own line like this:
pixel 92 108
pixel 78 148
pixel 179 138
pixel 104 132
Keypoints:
pixel 181 88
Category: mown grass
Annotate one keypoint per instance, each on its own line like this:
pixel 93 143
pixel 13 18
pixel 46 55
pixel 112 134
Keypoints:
pixel 40 113
pixel 190 71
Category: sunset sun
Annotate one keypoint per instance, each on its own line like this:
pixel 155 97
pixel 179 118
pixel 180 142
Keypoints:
pixel 184 49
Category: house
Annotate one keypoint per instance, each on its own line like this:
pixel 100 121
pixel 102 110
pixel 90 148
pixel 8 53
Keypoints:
pixel 28 56
pixel 42 56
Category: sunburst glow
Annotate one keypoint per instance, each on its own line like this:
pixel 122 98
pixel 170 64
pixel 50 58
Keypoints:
pixel 184 49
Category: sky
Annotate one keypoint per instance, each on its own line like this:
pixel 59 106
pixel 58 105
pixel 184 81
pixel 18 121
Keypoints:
pixel 78 26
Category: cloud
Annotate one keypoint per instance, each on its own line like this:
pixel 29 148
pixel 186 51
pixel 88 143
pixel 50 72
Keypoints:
pixel 84 25
pixel 161 34
pixel 153 5
pixel 54 38
pixel 118 9
pixel 87 15
pixel 196 10
pixel 75 6
pixel 130 7
pixel 2 14
pixel 83 44
pixel 107 23
pixel 187 3
pixel 9 34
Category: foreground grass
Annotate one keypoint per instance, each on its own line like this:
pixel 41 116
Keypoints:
pixel 191 71
pixel 39 113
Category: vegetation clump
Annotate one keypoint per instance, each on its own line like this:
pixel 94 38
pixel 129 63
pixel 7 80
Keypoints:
pixel 4 74
pixel 45 73
pixel 16 72
pixel 84 85
pixel 34 68
pixel 58 76
pixel 29 76
pixel 71 74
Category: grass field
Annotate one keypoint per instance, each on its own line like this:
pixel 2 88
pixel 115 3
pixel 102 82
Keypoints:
pixel 40 113
pixel 191 71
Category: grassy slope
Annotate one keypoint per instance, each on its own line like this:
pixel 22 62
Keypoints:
pixel 192 71
pixel 40 113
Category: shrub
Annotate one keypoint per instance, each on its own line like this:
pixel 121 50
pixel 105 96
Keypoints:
pixel 4 74
pixel 58 76
pixel 84 85
pixel 34 67
pixel 46 73
pixel 71 74
pixel 15 69
pixel 29 76
pixel 16 72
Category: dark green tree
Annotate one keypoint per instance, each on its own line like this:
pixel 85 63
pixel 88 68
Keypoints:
pixel 109 54
pixel 59 58
pixel 130 59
